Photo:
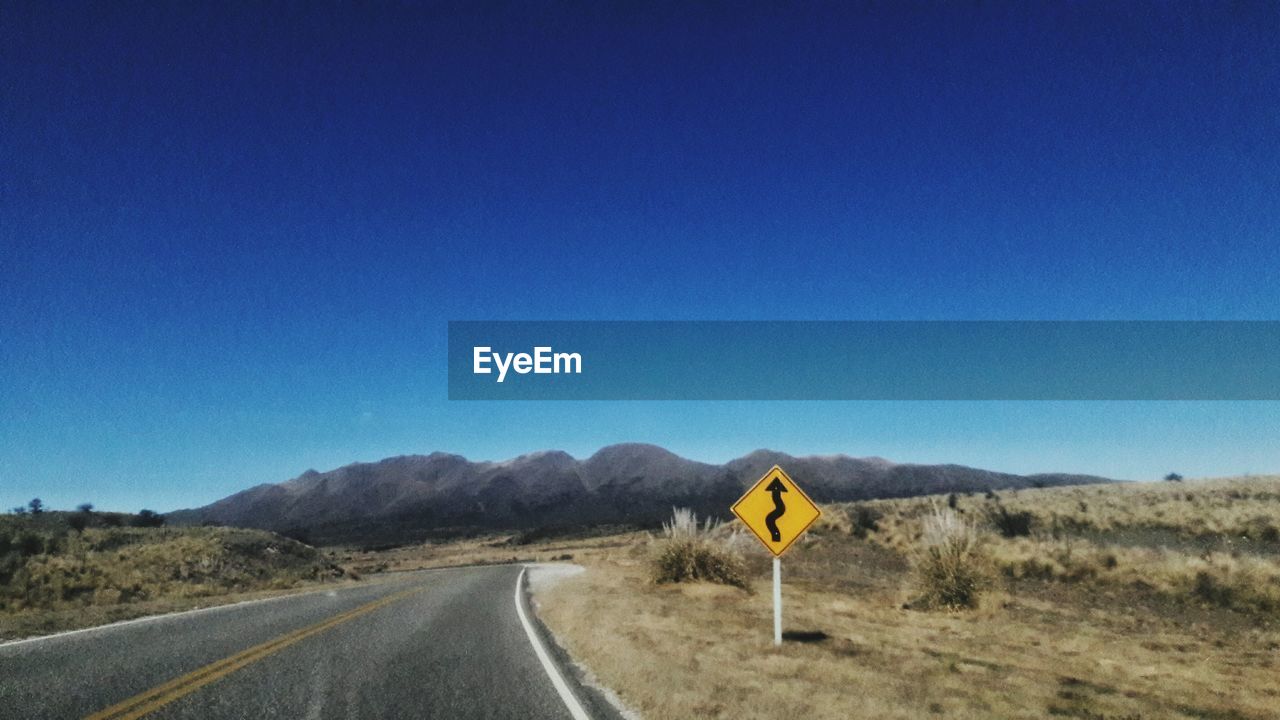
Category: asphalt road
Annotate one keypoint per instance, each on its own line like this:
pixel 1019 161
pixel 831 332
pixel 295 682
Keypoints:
pixel 433 644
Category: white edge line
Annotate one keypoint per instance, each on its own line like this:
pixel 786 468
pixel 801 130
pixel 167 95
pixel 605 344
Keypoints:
pixel 182 613
pixel 151 618
pixel 553 672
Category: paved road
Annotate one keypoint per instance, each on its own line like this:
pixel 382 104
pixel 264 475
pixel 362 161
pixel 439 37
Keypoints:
pixel 432 644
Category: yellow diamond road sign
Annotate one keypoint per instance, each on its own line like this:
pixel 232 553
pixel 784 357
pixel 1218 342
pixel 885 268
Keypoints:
pixel 776 510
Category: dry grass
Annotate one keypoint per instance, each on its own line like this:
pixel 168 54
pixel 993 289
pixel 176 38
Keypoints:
pixel 951 563
pixel 1155 641
pixel 703 650
pixel 689 551
pixel 1233 513
pixel 120 565
pixel 1205 541
pixel 56 579
pixel 488 550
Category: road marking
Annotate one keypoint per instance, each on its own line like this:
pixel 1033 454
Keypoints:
pixel 161 695
pixel 553 672
pixel 177 614
pixel 211 609
pixel 153 618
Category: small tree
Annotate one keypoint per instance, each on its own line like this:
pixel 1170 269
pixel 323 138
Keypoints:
pixel 1173 477
pixel 36 506
pixel 83 517
pixel 19 510
pixel 147 518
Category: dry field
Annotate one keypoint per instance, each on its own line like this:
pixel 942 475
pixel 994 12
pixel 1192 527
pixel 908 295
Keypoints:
pixel 1213 541
pixel 55 578
pixel 487 550
pixel 1130 601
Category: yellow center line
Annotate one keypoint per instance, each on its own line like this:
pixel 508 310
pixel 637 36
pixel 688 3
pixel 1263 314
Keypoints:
pixel 161 695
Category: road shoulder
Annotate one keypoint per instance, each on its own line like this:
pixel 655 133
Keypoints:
pixel 596 699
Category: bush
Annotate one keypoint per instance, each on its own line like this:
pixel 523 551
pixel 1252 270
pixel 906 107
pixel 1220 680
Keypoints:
pixel 1239 583
pixel 689 551
pixel 147 518
pixel 951 566
pixel 865 520
pixel 1011 524
pixel 1209 588
pixel 29 543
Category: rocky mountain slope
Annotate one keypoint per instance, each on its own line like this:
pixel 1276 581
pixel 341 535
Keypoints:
pixel 418 496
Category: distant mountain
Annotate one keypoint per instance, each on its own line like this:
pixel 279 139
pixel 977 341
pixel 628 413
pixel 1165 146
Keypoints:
pixel 413 497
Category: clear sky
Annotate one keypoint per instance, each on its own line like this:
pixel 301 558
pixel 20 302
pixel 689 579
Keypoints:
pixel 230 239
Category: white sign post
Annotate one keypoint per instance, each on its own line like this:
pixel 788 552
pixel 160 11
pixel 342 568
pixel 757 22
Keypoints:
pixel 776 522
pixel 777 601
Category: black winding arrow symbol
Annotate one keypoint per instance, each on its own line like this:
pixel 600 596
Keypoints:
pixel 771 520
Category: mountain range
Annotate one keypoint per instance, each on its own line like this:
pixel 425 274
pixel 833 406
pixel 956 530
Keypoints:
pixel 414 497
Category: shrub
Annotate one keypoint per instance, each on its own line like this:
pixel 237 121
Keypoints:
pixel 147 518
pixel 1211 589
pixel 1010 524
pixel 865 520
pixel 951 565
pixel 690 551
pixel 1239 583
pixel 29 543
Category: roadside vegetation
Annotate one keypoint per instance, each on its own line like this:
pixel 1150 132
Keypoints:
pixel 689 551
pixel 1143 600
pixel 1203 542
pixel 68 569
pixel 950 561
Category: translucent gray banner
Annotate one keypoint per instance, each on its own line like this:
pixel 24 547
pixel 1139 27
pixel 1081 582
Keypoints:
pixel 981 360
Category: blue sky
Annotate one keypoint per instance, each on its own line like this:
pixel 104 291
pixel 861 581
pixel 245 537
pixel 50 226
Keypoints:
pixel 232 237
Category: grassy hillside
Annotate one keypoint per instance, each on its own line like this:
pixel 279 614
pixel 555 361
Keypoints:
pixel 1210 541
pixel 1118 601
pixel 53 575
